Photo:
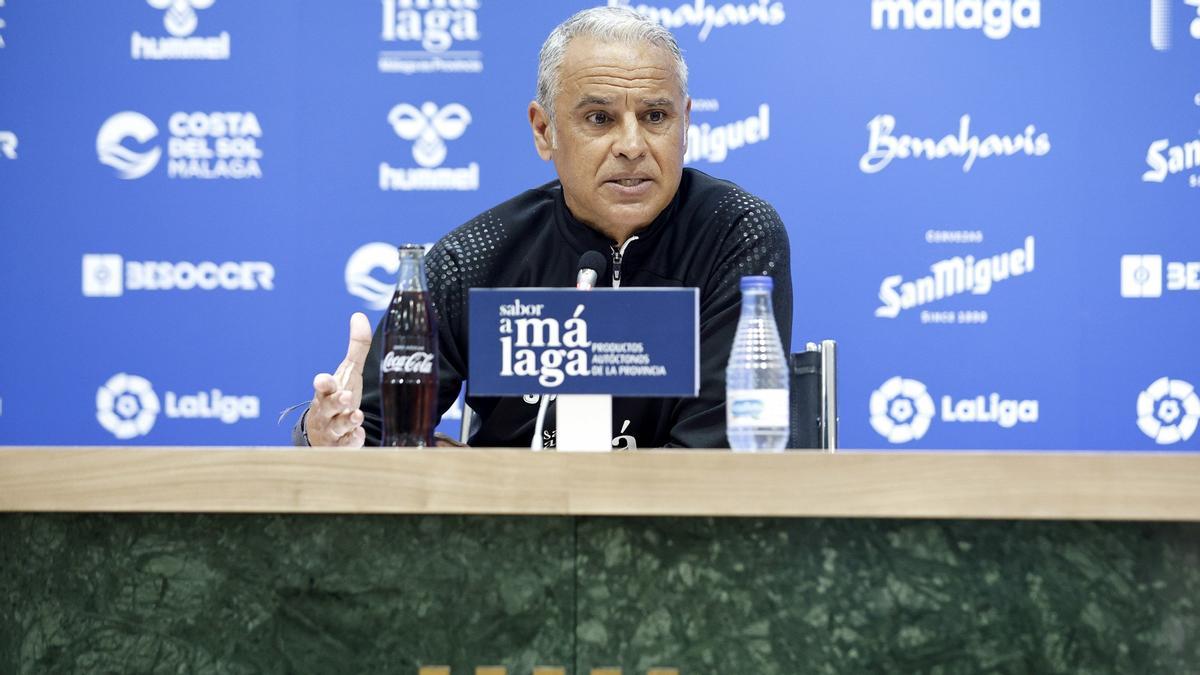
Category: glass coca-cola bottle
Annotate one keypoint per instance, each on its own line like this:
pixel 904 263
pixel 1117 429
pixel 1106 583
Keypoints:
pixel 408 373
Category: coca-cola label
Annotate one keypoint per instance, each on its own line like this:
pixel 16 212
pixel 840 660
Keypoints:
pixel 416 362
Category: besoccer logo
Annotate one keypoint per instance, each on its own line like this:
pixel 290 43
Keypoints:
pixel 429 127
pixel 901 410
pixel 1141 276
pixel 111 151
pixel 180 18
pixel 1168 411
pixel 360 280
pixel 126 406
pixel 103 275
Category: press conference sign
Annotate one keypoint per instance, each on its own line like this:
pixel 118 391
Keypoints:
pixel 626 342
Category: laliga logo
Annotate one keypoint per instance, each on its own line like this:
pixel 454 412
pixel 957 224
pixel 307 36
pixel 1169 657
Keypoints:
pixel 1168 411
pixel 126 406
pixel 359 268
pixel 428 127
pixel 901 410
pixel 180 19
pixel 109 148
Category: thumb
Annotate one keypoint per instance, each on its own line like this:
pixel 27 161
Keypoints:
pixel 360 341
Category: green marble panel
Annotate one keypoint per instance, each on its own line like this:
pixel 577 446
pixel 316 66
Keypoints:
pixel 282 594
pixel 375 594
pixel 765 596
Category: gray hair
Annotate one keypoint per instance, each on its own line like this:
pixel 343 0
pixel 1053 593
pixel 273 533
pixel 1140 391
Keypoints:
pixel 605 24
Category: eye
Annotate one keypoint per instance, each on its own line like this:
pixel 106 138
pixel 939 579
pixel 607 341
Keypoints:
pixel 656 116
pixel 598 118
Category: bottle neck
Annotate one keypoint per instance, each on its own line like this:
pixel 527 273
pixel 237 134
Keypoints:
pixel 757 302
pixel 412 271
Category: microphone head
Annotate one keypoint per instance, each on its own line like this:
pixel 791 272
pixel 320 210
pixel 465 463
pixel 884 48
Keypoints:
pixel 591 266
pixel 593 260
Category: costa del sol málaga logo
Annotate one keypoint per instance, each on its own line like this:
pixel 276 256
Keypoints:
pixel 901 410
pixel 111 151
pixel 1168 411
pixel 359 268
pixel 127 406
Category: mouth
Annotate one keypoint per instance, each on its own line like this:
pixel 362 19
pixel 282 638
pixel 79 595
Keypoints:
pixel 629 187
pixel 629 182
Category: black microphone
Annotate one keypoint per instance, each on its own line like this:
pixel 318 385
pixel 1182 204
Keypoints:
pixel 591 265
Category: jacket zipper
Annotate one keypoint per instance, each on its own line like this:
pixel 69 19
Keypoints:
pixel 618 256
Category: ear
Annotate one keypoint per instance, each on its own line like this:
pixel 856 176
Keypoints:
pixel 687 122
pixel 543 134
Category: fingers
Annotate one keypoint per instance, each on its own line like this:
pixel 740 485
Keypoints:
pixel 333 415
pixel 341 429
pixel 443 441
pixel 360 342
pixel 324 384
pixel 354 439
pixel 334 418
pixel 344 423
pixel 349 374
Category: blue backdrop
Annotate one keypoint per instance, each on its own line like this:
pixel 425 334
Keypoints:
pixel 992 203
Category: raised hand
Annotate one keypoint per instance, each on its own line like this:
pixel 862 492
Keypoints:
pixel 333 417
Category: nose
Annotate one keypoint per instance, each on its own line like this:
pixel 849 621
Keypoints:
pixel 630 142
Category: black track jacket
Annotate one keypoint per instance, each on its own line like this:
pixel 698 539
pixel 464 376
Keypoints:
pixel 709 236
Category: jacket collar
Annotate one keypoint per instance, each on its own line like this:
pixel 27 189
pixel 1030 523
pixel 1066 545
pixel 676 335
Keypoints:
pixel 583 238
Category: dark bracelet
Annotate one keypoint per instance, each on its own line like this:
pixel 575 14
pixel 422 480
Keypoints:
pixel 304 429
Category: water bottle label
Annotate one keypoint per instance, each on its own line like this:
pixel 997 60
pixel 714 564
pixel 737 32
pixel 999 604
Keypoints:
pixel 745 408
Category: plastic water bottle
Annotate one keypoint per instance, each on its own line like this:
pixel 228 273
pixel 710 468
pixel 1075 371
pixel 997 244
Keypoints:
pixel 756 381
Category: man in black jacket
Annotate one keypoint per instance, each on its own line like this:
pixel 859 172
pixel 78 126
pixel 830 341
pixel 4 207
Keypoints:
pixel 612 113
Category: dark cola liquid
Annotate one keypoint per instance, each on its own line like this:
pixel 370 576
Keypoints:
pixel 408 373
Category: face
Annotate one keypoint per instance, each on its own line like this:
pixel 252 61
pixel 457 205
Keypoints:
pixel 619 134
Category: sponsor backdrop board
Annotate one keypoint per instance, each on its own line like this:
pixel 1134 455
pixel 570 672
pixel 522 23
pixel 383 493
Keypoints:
pixel 994 205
